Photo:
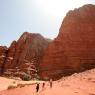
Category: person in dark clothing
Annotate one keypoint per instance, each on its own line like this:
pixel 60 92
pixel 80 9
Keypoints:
pixel 37 87
pixel 50 83
pixel 43 85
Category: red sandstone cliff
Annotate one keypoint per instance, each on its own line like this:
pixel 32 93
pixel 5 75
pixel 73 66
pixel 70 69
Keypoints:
pixel 23 55
pixel 3 51
pixel 72 51
pixel 74 48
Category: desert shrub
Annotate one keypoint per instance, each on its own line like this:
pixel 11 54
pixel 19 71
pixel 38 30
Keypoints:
pixel 20 85
pixel 11 87
pixel 26 77
pixel 14 82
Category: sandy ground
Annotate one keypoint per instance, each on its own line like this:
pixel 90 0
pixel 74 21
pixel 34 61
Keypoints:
pixel 76 84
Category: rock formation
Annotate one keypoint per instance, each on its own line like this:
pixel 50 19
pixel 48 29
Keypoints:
pixel 10 55
pixel 23 55
pixel 74 48
pixel 3 51
pixel 72 51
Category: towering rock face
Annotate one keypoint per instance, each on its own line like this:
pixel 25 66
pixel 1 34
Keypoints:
pixel 74 48
pixel 25 54
pixel 3 51
pixel 10 55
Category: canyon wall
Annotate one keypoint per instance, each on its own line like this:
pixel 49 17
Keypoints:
pixel 74 48
pixel 23 55
pixel 3 52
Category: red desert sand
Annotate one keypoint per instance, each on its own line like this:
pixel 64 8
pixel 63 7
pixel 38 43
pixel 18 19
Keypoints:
pixel 76 84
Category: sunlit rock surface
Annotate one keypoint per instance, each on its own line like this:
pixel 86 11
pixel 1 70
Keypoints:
pixel 74 48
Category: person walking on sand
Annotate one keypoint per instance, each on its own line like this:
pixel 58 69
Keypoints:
pixel 50 83
pixel 37 87
pixel 43 85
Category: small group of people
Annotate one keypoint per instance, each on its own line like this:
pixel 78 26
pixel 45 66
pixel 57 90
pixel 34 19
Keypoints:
pixel 43 85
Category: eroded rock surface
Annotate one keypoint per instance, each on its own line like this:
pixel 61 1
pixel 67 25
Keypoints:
pixel 74 48
pixel 24 55
pixel 3 51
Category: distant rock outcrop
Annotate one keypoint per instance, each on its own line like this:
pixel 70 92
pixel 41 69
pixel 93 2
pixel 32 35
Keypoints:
pixel 10 55
pixel 74 48
pixel 3 52
pixel 23 55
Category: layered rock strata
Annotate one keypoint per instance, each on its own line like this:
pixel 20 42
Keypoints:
pixel 74 48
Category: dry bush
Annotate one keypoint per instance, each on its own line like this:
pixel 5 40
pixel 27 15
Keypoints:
pixel 14 82
pixel 11 87
pixel 26 77
pixel 89 78
pixel 20 85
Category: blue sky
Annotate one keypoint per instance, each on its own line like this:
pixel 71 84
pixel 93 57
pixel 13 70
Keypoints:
pixel 35 16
